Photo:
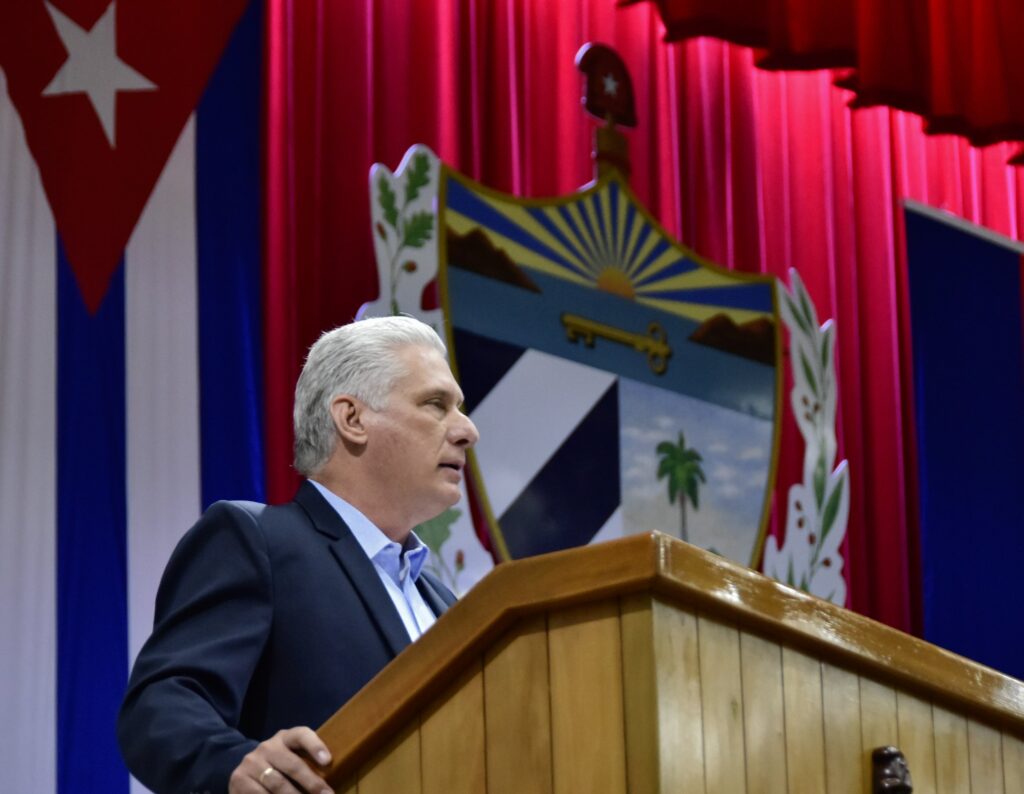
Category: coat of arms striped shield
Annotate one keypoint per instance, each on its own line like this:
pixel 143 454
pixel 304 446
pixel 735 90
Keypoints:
pixel 621 383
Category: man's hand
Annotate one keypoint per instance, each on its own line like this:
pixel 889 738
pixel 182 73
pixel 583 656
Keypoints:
pixel 274 765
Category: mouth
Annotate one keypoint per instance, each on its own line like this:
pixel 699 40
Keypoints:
pixel 453 465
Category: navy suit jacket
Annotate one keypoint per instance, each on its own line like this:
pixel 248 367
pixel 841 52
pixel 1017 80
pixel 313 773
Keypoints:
pixel 266 618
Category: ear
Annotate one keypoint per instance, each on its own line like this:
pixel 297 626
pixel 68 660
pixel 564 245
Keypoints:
pixel 348 415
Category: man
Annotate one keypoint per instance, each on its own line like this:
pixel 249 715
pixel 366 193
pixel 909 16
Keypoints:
pixel 268 619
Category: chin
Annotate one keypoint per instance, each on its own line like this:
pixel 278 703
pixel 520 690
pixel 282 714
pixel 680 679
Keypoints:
pixel 452 499
pixel 439 506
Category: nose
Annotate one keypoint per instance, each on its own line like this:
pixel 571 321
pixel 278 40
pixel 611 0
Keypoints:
pixel 463 432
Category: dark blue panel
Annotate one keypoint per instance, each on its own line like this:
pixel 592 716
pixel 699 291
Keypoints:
pixel 228 221
pixel 575 493
pixel 92 611
pixel 965 295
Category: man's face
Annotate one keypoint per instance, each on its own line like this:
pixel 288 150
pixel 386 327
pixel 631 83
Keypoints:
pixel 417 443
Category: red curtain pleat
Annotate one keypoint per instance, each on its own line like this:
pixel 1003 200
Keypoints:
pixel 952 61
pixel 758 170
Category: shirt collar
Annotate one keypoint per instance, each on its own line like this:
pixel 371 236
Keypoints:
pixel 397 561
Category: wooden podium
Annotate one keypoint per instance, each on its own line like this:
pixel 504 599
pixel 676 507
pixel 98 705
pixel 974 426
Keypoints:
pixel 648 665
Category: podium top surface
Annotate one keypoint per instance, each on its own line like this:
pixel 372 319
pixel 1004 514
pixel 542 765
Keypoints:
pixel 681 575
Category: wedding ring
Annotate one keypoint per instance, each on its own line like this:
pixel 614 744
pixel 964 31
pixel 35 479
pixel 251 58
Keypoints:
pixel 268 771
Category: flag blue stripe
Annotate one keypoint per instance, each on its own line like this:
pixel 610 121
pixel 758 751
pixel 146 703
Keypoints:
pixel 228 223
pixel 92 612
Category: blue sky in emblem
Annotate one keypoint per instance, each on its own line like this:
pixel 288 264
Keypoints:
pixel 736 448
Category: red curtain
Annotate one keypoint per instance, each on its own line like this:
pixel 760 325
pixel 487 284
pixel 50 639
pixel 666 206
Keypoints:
pixel 758 170
pixel 952 61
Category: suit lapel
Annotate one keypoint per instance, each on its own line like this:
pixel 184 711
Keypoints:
pixel 357 566
pixel 437 596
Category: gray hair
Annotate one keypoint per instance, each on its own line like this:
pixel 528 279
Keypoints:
pixel 353 359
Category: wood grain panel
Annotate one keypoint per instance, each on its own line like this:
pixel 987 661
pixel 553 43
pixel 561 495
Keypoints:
pixel 680 712
pixel 952 762
pixel 805 740
pixel 587 719
pixel 984 746
pixel 917 740
pixel 452 738
pixel 661 689
pixel 396 767
pixel 764 716
pixel 722 702
pixel 685 576
pixel 349 787
pixel 518 711
pixel 1013 764
pixel 712 585
pixel 640 694
pixel 840 699
pixel 878 724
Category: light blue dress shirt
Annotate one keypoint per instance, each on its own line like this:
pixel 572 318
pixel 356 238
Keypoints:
pixel 397 568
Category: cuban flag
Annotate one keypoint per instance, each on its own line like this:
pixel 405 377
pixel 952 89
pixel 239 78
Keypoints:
pixel 130 343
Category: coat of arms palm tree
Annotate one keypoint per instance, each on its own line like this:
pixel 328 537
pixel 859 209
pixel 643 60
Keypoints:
pixel 681 466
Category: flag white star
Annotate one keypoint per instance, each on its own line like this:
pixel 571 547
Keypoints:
pixel 93 68
pixel 611 85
